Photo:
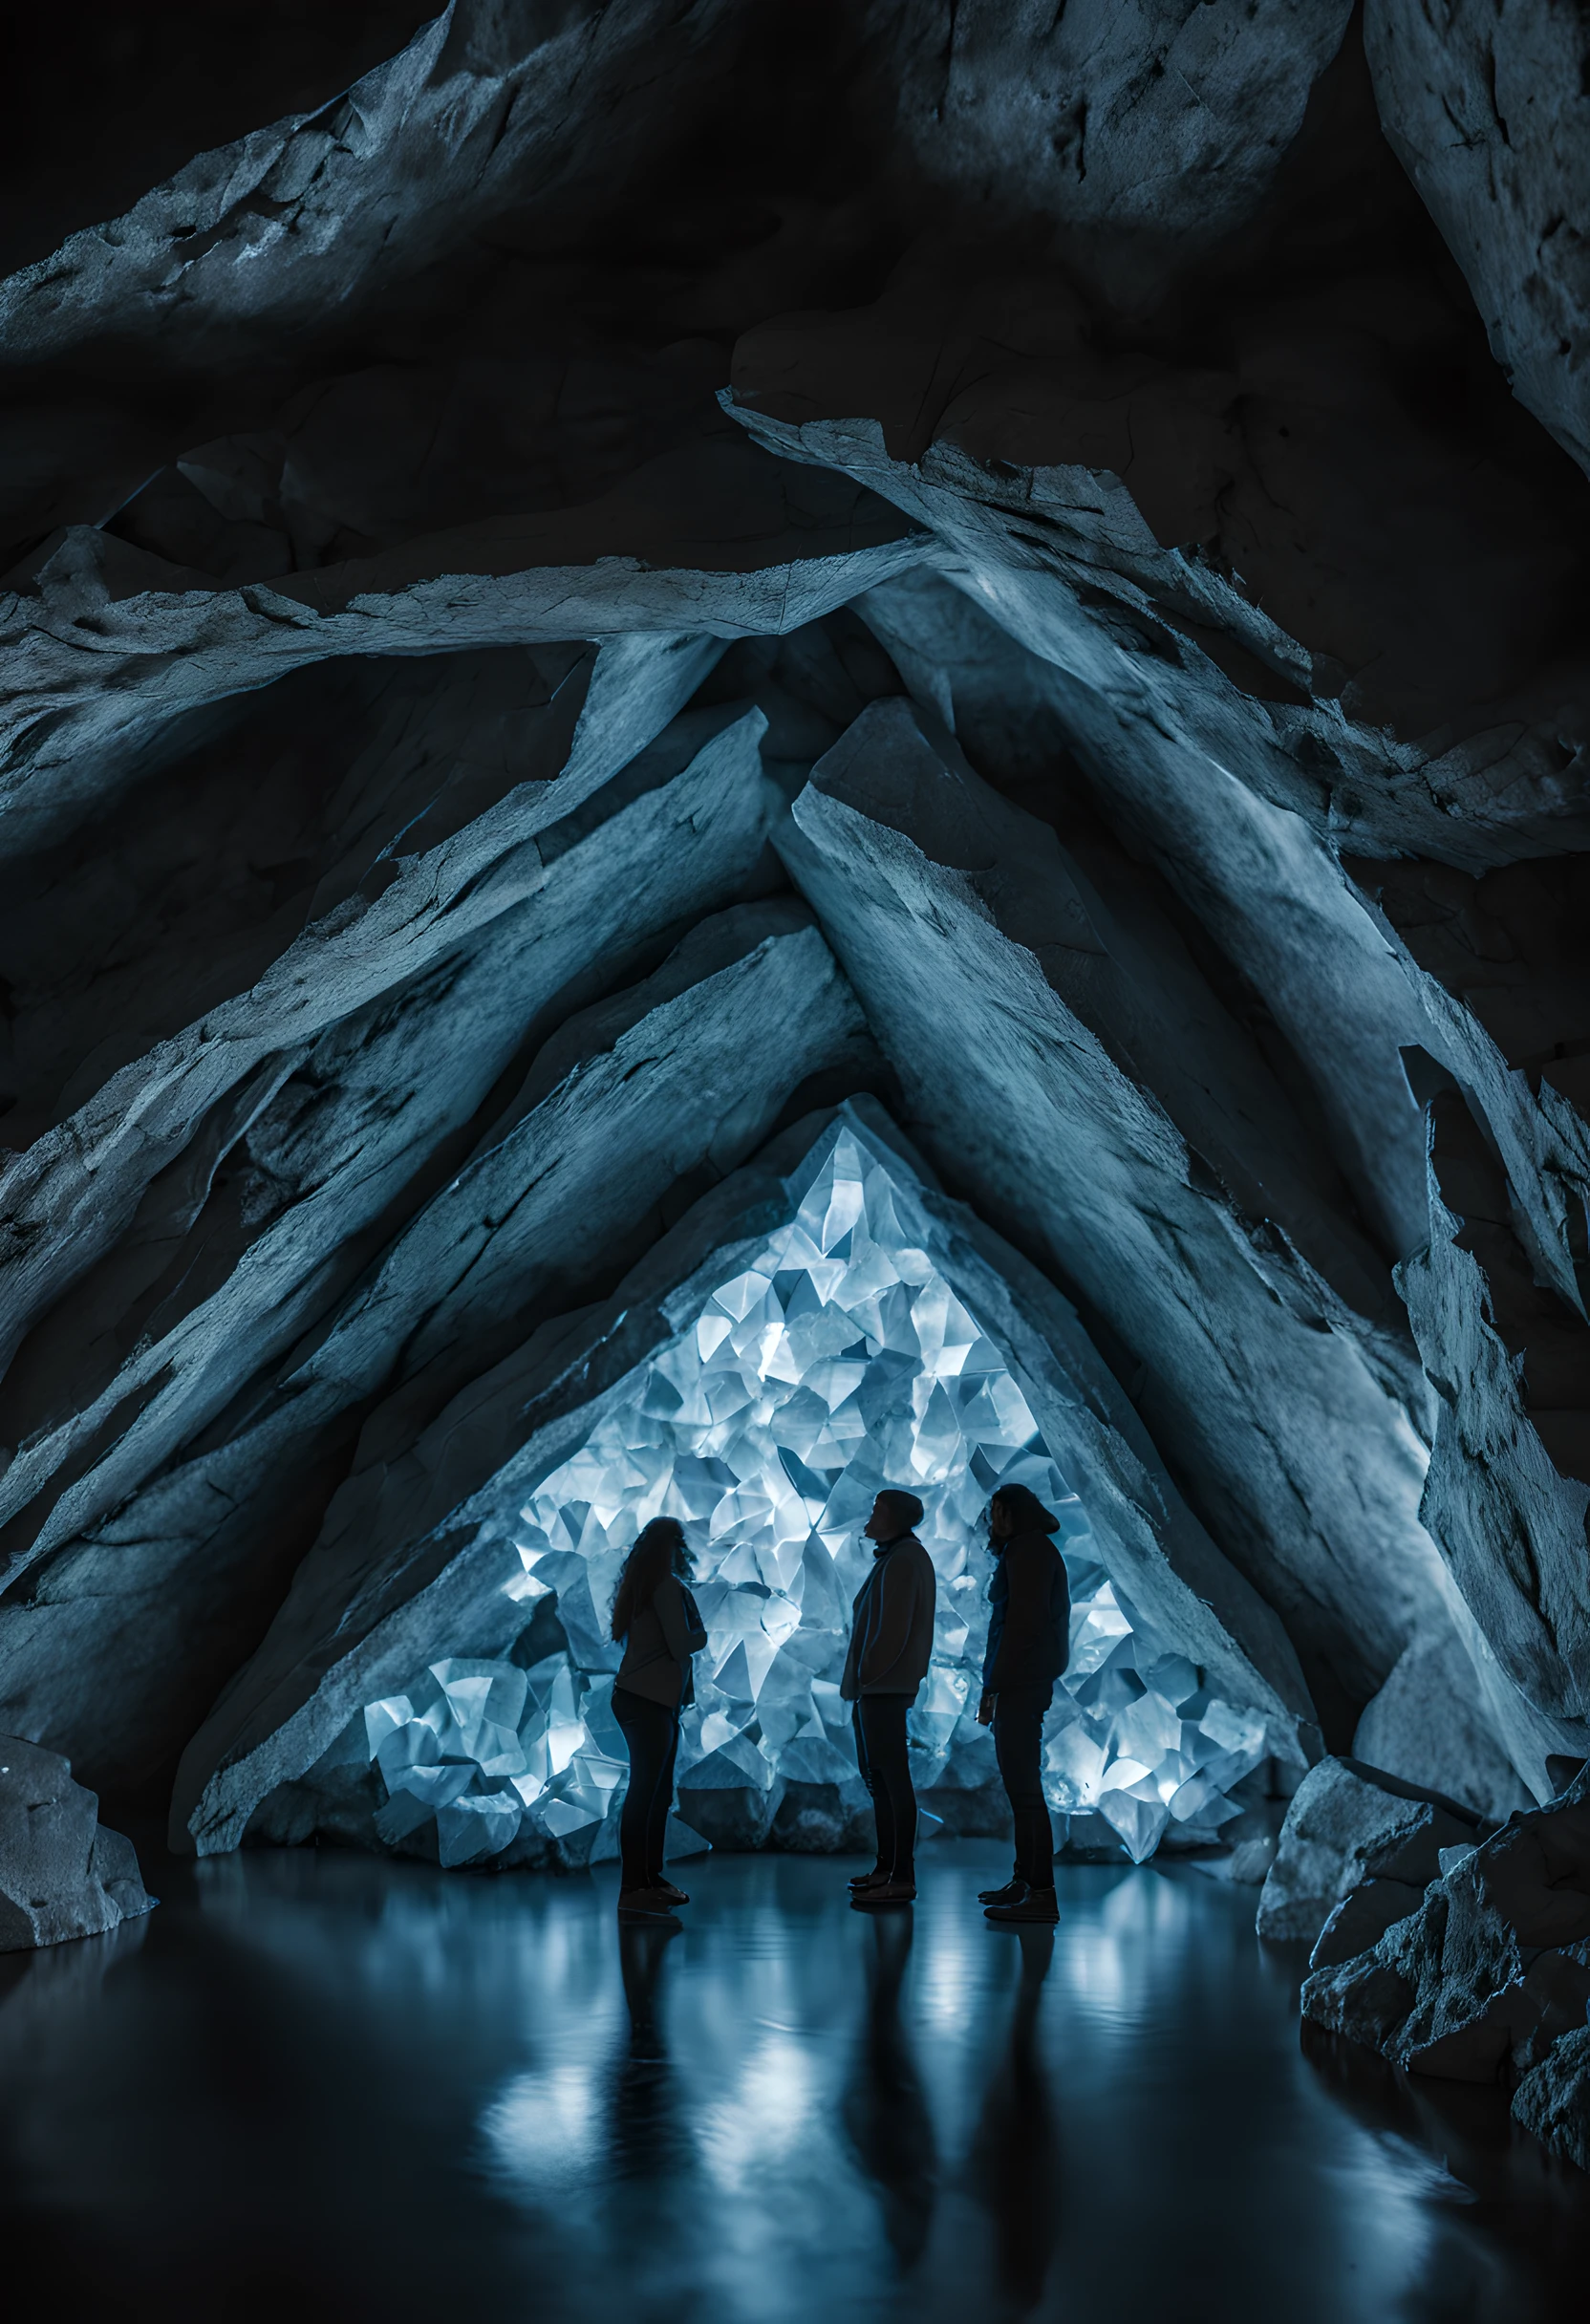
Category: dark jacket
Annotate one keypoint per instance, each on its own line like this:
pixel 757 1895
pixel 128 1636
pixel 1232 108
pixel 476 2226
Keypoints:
pixel 1029 1625
pixel 891 1623
pixel 659 1645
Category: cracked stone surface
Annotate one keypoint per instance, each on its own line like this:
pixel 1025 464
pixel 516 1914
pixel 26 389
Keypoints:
pixel 1553 2100
pixel 1492 1968
pixel 1349 1824
pixel 1486 111
pixel 63 1873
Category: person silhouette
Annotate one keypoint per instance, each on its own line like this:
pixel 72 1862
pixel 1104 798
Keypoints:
pixel 656 1619
pixel 1015 2153
pixel 884 2109
pixel 1028 1647
pixel 890 1644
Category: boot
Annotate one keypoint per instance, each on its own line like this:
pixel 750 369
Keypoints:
pixel 1038 1905
pixel 868 1880
pixel 643 1905
pixel 883 1893
pixel 666 1888
pixel 1012 1893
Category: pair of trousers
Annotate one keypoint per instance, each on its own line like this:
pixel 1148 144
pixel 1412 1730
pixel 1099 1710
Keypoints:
pixel 1019 1747
pixel 652 1732
pixel 883 1759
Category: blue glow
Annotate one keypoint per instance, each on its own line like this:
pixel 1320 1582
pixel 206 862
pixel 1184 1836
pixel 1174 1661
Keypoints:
pixel 840 1360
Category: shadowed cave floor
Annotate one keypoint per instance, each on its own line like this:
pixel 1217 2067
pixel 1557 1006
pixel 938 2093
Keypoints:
pixel 321 2084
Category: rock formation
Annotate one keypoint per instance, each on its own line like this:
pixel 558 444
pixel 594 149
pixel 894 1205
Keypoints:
pixel 1490 1963
pixel 62 1873
pixel 600 600
pixel 1355 1834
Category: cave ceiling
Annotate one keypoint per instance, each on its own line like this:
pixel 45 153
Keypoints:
pixel 596 596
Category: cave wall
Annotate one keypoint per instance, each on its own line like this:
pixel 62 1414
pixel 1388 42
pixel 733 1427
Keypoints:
pixel 622 573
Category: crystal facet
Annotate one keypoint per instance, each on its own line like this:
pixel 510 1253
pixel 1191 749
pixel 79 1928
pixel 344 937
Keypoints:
pixel 840 1360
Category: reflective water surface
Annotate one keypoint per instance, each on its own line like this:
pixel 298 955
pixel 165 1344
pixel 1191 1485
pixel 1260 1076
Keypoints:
pixel 317 2083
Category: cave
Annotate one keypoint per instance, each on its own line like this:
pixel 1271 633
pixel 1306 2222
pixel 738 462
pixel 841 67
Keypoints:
pixel 757 754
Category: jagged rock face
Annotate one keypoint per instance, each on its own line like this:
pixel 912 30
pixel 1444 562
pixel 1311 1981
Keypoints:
pixel 62 1873
pixel 1490 1971
pixel 1143 134
pixel 1486 108
pixel 1350 1824
pixel 1553 2097
pixel 1504 1491
pixel 1426 1726
pixel 584 602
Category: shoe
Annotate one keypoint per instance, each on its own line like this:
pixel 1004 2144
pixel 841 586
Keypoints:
pixel 644 1905
pixel 1012 1893
pixel 674 1896
pixel 1038 1905
pixel 868 1880
pixel 886 1892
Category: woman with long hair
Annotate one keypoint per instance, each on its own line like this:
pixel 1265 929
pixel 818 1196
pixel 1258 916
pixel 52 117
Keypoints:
pixel 1029 1644
pixel 655 1619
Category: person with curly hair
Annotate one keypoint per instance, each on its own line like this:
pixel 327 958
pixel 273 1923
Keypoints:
pixel 655 1620
pixel 1028 1647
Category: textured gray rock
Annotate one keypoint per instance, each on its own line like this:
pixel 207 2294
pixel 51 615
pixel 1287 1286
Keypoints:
pixel 76 1186
pixel 1362 1917
pixel 1262 880
pixel 519 1229
pixel 62 1873
pixel 1143 134
pixel 1495 961
pixel 381 1114
pixel 1479 1983
pixel 1077 516
pixel 1486 107
pixel 1348 1823
pixel 335 1130
pixel 714 539
pixel 314 213
pixel 1427 1725
pixel 1505 1495
pixel 823 1819
pixel 538 1216
pixel 1553 2100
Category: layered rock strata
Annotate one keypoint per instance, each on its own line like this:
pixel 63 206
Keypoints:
pixel 647 571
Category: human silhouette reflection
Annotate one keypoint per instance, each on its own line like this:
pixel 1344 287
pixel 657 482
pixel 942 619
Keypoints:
pixel 884 2109
pixel 647 2136
pixel 1016 2149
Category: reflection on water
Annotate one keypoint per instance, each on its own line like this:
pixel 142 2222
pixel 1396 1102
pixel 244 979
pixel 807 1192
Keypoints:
pixel 400 2088
pixel 1516 2218
pixel 1016 2154
pixel 885 2105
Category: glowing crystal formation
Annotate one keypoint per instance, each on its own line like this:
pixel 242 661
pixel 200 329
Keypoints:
pixel 838 1361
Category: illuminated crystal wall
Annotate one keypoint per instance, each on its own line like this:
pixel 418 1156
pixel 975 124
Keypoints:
pixel 838 1361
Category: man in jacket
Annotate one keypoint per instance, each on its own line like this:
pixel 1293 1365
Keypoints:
pixel 891 1647
pixel 1028 1647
